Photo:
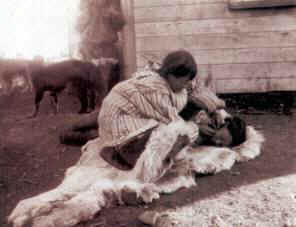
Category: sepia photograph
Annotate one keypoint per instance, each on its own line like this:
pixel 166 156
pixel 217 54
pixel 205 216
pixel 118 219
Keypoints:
pixel 137 113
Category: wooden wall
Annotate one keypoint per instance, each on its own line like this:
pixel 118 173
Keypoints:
pixel 251 50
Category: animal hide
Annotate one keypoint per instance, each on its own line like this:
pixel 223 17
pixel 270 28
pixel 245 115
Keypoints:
pixel 93 184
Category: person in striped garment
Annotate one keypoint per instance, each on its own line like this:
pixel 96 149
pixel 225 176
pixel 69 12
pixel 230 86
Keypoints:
pixel 149 104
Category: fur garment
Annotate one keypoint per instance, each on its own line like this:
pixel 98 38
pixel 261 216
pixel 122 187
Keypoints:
pixel 93 184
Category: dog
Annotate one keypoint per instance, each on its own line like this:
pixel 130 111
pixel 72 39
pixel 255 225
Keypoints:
pixel 89 80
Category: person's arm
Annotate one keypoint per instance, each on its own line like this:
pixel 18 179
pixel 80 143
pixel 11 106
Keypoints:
pixel 206 99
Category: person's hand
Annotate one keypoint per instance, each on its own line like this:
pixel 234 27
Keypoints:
pixel 206 130
pixel 221 104
pixel 201 117
pixel 220 116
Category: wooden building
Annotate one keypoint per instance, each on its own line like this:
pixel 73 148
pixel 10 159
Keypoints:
pixel 243 48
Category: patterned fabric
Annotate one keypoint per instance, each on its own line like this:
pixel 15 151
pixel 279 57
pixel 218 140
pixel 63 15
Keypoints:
pixel 137 102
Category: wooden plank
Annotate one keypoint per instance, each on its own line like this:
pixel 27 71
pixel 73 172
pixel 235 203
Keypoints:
pixel 254 70
pixel 241 40
pixel 248 71
pixel 201 11
pixel 228 56
pixel 145 3
pixel 159 43
pixel 255 85
pixel 156 14
pixel 239 71
pixel 254 77
pixel 217 41
pixel 270 23
pixel 281 84
pixel 246 4
pixel 240 86
pixel 149 3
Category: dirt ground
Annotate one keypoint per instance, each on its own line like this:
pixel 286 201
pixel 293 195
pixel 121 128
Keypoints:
pixel 33 161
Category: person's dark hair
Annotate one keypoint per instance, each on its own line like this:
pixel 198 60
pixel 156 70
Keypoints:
pixel 179 63
pixel 237 128
pixel 190 110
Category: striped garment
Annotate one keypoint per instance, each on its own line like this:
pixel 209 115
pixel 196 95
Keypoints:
pixel 137 102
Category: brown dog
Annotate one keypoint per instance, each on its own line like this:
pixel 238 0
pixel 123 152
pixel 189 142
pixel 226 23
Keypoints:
pixel 89 80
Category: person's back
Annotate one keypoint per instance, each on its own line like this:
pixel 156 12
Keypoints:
pixel 136 102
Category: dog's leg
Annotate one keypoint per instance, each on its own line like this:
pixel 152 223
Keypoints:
pixel 38 97
pixel 92 99
pixel 54 102
pixel 82 95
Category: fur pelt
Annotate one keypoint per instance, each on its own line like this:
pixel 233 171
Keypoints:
pixel 93 184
